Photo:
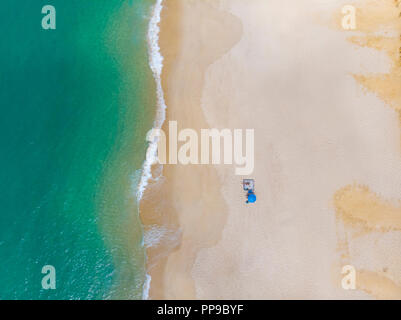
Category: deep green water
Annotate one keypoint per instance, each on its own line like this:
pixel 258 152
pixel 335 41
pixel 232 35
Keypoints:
pixel 76 103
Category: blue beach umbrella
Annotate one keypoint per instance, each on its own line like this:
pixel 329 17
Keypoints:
pixel 251 198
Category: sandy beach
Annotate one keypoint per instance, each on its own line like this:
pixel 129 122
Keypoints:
pixel 327 154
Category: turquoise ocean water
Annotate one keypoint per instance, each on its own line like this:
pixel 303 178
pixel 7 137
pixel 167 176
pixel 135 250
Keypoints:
pixel 76 103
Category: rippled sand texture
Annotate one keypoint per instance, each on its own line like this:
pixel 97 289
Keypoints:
pixel 371 220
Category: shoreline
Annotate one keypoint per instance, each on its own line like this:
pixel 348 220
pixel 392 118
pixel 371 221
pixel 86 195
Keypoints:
pixel 156 65
pixel 160 264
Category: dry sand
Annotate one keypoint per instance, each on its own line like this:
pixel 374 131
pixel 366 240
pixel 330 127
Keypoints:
pixel 325 149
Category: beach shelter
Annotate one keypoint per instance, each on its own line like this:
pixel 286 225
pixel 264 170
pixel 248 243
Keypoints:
pixel 248 184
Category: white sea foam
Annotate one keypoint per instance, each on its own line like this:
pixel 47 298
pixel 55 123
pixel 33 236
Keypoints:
pixel 156 65
pixel 146 287
pixel 154 235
